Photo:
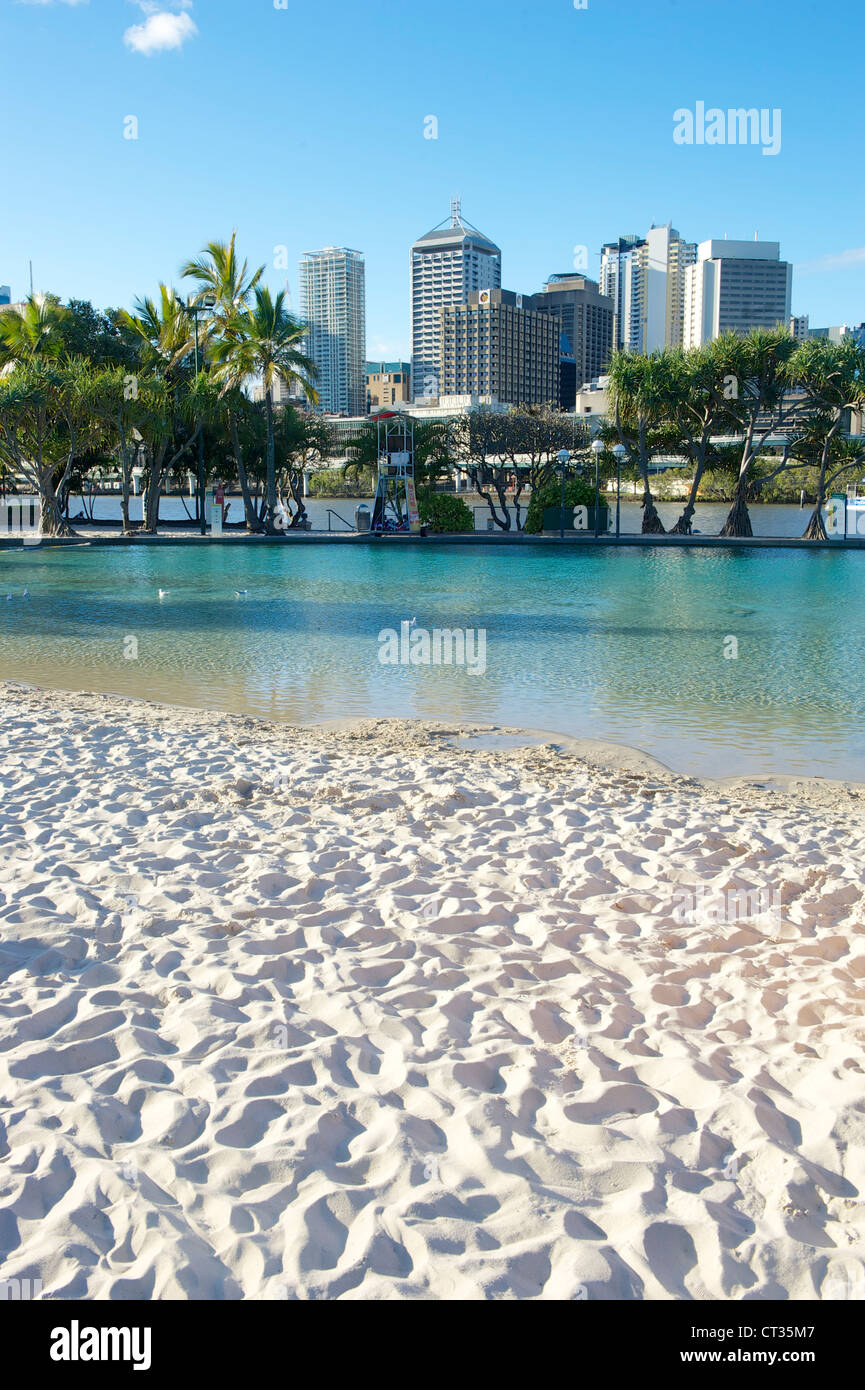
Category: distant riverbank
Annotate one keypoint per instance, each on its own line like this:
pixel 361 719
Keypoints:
pixel 337 514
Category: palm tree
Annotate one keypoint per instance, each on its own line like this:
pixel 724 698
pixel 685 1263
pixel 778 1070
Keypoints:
pixel 175 413
pixel 33 331
pixel 264 341
pixel 219 273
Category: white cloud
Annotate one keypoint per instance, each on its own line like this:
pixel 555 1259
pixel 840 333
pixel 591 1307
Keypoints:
pixel 840 260
pixel 162 30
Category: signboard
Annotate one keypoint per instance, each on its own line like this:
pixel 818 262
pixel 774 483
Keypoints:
pixel 411 499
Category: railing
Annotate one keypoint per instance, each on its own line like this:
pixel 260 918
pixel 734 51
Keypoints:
pixel 348 524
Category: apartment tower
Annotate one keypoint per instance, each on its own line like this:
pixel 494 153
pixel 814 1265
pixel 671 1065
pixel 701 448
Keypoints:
pixel 333 304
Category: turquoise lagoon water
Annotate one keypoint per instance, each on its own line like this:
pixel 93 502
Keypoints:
pixel 620 644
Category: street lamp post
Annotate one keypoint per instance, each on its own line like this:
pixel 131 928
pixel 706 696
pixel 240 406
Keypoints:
pixel 597 449
pixel 619 450
pixel 564 459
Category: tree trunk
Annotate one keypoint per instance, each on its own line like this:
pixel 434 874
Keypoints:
pixel 816 528
pixel 683 525
pixel 154 488
pixel 53 522
pixel 271 464
pixel 249 510
pixel 738 521
pixel 652 523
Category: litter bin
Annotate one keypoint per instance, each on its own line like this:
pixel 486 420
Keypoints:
pixel 362 517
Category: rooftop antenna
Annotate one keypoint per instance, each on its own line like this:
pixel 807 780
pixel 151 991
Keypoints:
pixel 456 211
pixel 31 279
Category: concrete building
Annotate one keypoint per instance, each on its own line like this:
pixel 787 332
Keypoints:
pixel 387 383
pixel 802 331
pixel 645 278
pixel 736 286
pixel 662 262
pixel 593 401
pixel 497 346
pixel 447 265
pixel 617 281
pixel 333 303
pixel 585 319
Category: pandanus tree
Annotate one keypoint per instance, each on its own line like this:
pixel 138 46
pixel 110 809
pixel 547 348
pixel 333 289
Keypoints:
pixel 265 341
pixel 760 404
pixel 831 376
pixel 45 423
pixel 698 406
pixel 642 396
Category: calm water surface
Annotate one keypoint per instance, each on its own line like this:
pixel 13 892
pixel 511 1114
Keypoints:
pixel 623 645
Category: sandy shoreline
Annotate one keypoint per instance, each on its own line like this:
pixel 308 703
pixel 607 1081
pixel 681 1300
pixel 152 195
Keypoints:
pixel 353 1012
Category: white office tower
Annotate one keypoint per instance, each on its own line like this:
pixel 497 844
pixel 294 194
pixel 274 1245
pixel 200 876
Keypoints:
pixel 333 303
pixel 645 278
pixel 736 286
pixel 446 266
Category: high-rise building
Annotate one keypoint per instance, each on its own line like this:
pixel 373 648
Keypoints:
pixel 736 286
pixel 799 328
pixel 447 265
pixel 585 319
pixel 645 278
pixel 387 383
pixel 333 304
pixel 617 281
pixel 5 294
pixel 498 347
pixel 663 261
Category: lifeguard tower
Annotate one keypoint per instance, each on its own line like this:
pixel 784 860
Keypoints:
pixel 395 506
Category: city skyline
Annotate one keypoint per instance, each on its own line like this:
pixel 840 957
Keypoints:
pixel 149 161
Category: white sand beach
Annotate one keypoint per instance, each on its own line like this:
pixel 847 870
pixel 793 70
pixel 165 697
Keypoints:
pixel 355 1013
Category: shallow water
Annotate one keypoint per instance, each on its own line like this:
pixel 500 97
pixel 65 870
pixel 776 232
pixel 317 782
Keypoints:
pixel 625 645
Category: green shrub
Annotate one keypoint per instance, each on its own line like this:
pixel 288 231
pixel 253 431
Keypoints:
pixel 442 512
pixel 331 482
pixel 578 493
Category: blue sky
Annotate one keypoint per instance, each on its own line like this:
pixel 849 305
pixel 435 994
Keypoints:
pixel 303 126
